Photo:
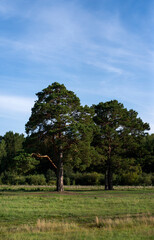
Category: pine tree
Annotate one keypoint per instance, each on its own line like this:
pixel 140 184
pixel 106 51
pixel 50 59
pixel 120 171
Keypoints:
pixel 120 133
pixel 54 127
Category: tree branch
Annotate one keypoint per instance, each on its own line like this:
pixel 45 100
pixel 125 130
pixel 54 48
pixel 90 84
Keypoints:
pixel 44 156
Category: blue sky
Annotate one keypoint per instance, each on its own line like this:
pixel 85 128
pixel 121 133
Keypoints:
pixel 100 49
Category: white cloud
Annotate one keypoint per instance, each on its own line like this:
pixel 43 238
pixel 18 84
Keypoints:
pixel 15 104
pixel 107 67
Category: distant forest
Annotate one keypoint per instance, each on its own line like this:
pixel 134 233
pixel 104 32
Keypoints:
pixel 71 144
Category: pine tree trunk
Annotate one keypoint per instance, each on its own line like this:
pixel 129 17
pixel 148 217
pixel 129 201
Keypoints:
pixel 106 180
pixel 60 183
pixel 110 179
pixel 108 173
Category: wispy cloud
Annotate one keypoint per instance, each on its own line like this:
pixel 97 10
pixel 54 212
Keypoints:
pixel 67 31
pixel 7 9
pixel 62 39
pixel 15 104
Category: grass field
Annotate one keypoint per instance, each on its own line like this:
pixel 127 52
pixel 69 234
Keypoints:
pixel 36 213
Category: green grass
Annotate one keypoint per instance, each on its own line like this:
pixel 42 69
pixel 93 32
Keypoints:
pixel 32 213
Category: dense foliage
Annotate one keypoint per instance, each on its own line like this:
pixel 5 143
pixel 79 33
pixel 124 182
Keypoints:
pixel 119 136
pixel 103 144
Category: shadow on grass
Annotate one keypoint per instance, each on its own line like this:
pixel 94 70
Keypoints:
pixel 13 190
pixel 73 190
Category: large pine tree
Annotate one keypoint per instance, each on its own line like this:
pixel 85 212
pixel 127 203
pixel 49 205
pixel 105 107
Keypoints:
pixel 55 126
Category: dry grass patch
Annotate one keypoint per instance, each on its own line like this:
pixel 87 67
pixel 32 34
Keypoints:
pixel 43 225
pixel 125 222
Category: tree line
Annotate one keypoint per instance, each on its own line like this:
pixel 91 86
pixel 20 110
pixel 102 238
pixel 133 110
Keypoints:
pixel 78 144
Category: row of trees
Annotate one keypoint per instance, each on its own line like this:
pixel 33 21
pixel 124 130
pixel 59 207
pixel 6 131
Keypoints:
pixel 105 138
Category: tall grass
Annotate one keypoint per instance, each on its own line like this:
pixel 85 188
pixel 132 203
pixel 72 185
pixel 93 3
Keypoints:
pixel 125 222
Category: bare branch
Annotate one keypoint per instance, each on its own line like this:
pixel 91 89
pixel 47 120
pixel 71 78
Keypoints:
pixel 44 156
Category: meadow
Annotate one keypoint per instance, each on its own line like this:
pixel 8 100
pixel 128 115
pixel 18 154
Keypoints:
pixel 40 213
